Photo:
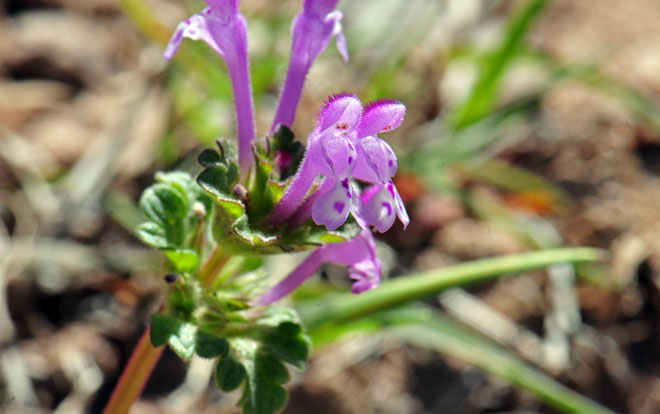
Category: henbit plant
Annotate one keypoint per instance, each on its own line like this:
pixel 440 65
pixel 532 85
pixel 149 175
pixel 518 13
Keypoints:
pixel 276 196
pixel 271 196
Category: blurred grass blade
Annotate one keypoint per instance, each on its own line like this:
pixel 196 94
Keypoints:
pixel 397 316
pixel 512 178
pixel 445 336
pixel 345 307
pixel 484 93
pixel 141 15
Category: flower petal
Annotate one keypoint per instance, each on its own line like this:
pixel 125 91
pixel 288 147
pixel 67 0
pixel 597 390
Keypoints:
pixel 319 7
pixel 224 29
pixel 400 207
pixel 195 28
pixel 312 31
pixel 380 210
pixel 331 209
pixel 223 7
pixel 338 32
pixel 381 116
pixel 376 160
pixel 342 113
pixel 358 253
pixel 340 154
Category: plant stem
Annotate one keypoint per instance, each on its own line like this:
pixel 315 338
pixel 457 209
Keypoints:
pixel 135 376
pixel 212 268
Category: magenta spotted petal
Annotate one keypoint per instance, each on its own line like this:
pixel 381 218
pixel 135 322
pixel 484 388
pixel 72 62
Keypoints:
pixel 329 153
pixel 380 210
pixel 381 205
pixel 332 208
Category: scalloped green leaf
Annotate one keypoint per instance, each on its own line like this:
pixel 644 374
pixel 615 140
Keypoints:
pixel 261 396
pixel 251 237
pixel 229 373
pixel 162 327
pixel 152 234
pixel 285 337
pixel 219 179
pixel 271 368
pixel 209 157
pixel 182 342
pixel 211 346
pixel 231 207
pixel 164 205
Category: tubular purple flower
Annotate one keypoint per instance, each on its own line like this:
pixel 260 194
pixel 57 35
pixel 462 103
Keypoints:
pixel 377 164
pixel 312 30
pixel 359 254
pixel 224 29
pixel 329 153
pixel 344 146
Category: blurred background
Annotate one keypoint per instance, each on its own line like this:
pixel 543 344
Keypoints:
pixel 531 124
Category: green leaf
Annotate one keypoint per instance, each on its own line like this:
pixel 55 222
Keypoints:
pixel 443 335
pixel 219 179
pixel 484 93
pixel 262 393
pixel 310 235
pixel 261 199
pixel 162 328
pixel 182 341
pixel 251 237
pixel 209 157
pixel 229 373
pixel 292 349
pixel 152 234
pixel 284 336
pixel 163 204
pixel 262 396
pixel 272 368
pixel 210 346
pixel 184 261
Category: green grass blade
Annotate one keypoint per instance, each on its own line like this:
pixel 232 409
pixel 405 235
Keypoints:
pixel 443 335
pixel 344 307
pixel 484 93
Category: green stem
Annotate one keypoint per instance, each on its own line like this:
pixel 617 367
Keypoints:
pixel 344 307
pixel 212 268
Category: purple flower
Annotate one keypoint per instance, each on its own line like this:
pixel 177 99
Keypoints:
pixel 343 146
pixel 359 254
pixel 377 164
pixel 224 29
pixel 330 153
pixel 312 30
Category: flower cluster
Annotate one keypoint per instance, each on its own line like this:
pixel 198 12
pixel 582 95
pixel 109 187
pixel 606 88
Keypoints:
pixel 343 149
pixel 345 145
